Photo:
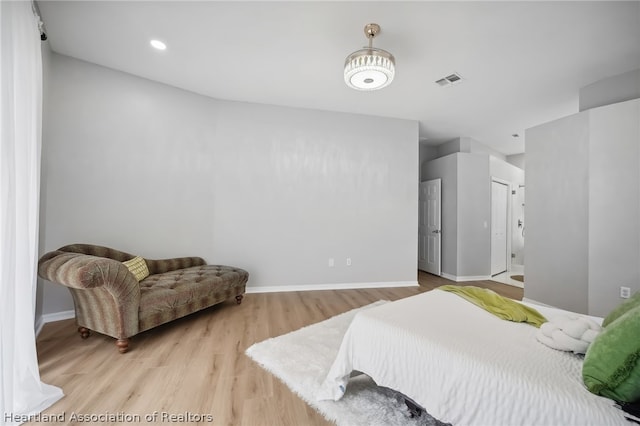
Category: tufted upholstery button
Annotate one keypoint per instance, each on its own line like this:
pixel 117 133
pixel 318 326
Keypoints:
pixel 190 287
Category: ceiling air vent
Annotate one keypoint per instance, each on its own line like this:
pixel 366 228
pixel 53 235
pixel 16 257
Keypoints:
pixel 449 80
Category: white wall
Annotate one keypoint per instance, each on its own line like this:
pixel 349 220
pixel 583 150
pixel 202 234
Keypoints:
pixel 473 146
pixel 427 153
pixel 557 213
pixel 451 147
pixel 517 160
pixel 583 208
pixel 614 204
pixel 474 216
pixel 466 211
pixel 160 172
pixel 610 90
pixel 506 171
pixel 467 145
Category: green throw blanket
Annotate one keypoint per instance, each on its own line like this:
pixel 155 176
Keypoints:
pixel 499 306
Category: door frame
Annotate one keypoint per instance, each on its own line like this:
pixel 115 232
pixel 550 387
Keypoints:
pixel 508 235
pixel 423 214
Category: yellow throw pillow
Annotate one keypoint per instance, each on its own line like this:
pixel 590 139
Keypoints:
pixel 138 268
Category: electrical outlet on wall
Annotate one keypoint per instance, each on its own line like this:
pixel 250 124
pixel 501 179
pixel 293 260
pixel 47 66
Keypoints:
pixel 625 292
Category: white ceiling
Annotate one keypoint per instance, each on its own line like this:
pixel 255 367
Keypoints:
pixel 522 62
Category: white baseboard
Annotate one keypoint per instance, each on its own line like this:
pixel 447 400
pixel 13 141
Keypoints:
pixel 55 316
pixel 58 316
pixel 39 325
pixel 535 302
pixel 468 278
pixel 337 286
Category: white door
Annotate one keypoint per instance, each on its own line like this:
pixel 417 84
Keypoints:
pixel 429 230
pixel 499 207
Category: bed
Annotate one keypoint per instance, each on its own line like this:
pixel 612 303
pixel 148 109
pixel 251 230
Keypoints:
pixel 465 366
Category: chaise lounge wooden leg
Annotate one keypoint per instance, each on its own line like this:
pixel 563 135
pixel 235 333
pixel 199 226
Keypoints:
pixel 84 332
pixel 239 298
pixel 123 345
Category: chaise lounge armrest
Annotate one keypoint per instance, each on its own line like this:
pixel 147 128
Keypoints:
pixel 103 288
pixel 83 271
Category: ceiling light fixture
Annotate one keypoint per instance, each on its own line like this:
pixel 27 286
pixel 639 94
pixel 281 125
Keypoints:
pixel 158 44
pixel 369 68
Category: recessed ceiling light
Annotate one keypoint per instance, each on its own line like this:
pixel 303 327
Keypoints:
pixel 158 44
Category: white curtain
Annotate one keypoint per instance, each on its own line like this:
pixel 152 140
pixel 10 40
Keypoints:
pixel 22 394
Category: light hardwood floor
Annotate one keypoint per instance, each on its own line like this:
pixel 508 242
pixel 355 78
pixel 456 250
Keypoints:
pixel 196 365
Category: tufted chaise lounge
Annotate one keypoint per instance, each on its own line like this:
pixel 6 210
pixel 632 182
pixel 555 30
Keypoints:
pixel 109 299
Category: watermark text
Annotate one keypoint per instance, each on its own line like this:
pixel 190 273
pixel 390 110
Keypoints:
pixel 110 417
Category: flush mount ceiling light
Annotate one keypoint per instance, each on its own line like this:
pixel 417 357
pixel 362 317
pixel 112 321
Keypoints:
pixel 369 68
pixel 158 44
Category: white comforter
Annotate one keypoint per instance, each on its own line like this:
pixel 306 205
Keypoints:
pixel 466 366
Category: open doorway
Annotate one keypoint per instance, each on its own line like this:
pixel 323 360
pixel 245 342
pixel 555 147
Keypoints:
pixel 517 233
pixel 499 227
pixel 507 232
